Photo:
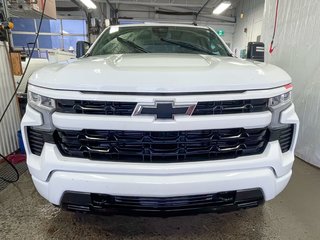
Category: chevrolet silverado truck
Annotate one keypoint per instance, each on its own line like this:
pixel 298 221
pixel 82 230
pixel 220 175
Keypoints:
pixel 159 118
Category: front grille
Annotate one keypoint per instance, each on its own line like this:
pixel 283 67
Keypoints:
pixel 158 203
pixel 230 107
pixel 159 147
pixel 127 108
pixel 36 140
pixel 95 107
pixel 162 206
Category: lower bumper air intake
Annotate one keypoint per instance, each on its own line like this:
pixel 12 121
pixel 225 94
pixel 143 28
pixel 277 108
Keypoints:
pixel 159 206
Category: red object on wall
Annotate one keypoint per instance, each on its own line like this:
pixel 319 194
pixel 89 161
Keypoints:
pixel 271 49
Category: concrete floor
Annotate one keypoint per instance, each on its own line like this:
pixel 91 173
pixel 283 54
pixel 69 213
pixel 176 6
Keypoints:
pixel 295 214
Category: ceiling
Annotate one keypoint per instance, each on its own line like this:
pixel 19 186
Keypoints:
pixel 124 7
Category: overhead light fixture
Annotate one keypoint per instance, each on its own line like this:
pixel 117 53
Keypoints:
pixel 221 7
pixel 89 4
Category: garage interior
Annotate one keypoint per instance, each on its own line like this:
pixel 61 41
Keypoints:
pixel 290 33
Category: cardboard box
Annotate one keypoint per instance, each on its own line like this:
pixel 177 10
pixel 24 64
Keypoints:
pixel 50 10
pixel 16 63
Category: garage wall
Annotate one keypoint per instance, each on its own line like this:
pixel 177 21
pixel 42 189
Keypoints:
pixel 55 33
pixel 253 11
pixel 297 51
pixel 10 124
pixel 228 32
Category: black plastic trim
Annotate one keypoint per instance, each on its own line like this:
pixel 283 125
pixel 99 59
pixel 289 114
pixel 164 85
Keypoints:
pixel 162 109
pixel 161 206
pixel 162 147
pixel 284 135
pixel 37 138
pixel 95 107
pixel 231 107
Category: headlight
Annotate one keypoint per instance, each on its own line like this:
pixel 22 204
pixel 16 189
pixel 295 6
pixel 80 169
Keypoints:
pixel 278 104
pixel 280 100
pixel 41 102
pixel 45 106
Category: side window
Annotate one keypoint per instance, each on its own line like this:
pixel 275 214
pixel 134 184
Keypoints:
pixel 217 46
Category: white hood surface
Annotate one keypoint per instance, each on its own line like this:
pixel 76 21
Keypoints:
pixel 159 73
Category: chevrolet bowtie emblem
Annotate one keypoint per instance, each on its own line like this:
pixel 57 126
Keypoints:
pixel 164 110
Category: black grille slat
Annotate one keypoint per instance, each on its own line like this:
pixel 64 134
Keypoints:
pixel 168 202
pixel 153 199
pixel 127 108
pixel 285 133
pixel 176 146
pixel 153 203
pixel 95 107
pixel 287 139
pixel 231 107
pixel 165 205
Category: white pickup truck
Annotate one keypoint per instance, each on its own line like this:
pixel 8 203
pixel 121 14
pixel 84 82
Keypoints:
pixel 159 119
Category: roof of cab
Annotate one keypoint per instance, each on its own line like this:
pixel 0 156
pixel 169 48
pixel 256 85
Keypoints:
pixel 159 24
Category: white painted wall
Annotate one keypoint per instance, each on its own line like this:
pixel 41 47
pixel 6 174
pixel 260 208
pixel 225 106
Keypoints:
pixel 253 11
pixel 228 31
pixel 297 51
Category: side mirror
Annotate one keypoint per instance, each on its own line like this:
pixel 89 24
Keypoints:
pixel 256 51
pixel 82 48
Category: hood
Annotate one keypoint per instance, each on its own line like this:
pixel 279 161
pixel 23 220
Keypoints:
pixel 159 73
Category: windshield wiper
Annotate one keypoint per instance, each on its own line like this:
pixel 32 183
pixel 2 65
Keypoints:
pixel 132 45
pixel 187 45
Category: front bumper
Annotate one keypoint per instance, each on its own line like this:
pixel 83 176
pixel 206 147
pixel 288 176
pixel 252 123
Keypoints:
pixel 269 171
pixel 54 175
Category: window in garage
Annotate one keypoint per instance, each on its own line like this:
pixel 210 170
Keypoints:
pixel 60 34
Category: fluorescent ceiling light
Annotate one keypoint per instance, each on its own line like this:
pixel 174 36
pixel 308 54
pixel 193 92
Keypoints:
pixel 89 4
pixel 221 8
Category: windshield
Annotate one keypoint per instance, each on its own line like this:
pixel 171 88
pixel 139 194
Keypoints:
pixel 158 39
